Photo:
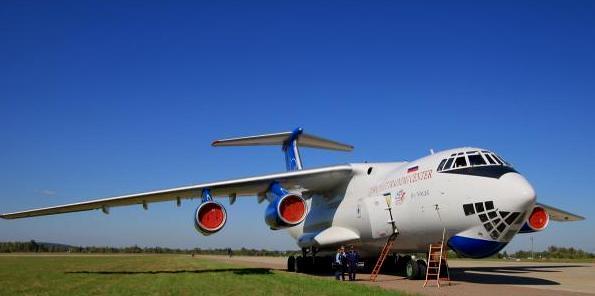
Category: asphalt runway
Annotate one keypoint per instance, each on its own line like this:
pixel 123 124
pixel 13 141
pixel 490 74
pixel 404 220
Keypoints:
pixel 475 277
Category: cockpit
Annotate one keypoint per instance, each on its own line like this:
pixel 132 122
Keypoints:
pixel 475 162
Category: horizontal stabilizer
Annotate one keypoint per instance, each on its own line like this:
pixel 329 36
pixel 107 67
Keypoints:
pixel 560 215
pixel 304 140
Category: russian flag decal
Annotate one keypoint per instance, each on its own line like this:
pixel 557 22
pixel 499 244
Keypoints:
pixel 412 169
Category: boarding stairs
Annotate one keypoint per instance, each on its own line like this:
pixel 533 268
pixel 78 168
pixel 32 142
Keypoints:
pixel 437 260
pixel 389 242
pixel 383 254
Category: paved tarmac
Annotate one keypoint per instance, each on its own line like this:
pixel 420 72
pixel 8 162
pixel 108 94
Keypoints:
pixel 475 277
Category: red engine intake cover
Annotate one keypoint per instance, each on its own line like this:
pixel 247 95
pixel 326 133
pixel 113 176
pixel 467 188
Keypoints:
pixel 210 217
pixel 539 219
pixel 292 209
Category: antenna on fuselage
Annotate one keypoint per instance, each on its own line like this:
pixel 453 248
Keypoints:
pixel 431 151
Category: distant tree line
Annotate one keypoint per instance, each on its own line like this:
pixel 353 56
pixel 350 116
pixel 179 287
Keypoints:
pixel 41 247
pixel 551 252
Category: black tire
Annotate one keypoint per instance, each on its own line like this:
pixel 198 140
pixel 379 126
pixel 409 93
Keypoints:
pixel 308 264
pixel 299 264
pixel 401 264
pixel 443 268
pixel 291 264
pixel 411 269
pixel 422 268
pixel 389 264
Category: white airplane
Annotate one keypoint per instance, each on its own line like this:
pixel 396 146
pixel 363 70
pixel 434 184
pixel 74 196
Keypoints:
pixel 478 201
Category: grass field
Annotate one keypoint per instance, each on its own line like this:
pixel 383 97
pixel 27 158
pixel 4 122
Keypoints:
pixel 157 275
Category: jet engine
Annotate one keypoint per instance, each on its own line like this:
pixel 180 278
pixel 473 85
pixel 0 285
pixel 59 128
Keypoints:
pixel 285 209
pixel 209 217
pixel 537 221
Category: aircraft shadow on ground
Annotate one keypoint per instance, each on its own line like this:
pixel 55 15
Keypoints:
pixel 507 275
pixel 238 271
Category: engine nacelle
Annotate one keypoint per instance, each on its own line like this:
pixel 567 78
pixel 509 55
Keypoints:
pixel 285 209
pixel 209 217
pixel 537 221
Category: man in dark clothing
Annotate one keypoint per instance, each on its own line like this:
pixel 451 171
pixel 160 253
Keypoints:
pixel 340 264
pixel 352 260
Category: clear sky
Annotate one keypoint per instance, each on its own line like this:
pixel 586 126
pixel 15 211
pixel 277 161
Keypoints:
pixel 101 98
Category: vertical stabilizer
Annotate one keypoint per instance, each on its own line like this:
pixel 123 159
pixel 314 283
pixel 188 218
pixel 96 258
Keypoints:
pixel 293 161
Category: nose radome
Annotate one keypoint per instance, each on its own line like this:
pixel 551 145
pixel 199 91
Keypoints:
pixel 521 192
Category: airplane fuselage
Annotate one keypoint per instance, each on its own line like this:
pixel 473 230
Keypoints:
pixel 479 206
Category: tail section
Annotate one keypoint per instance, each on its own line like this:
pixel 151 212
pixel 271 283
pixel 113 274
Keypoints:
pixel 289 141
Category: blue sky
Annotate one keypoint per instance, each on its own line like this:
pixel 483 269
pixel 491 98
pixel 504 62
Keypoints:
pixel 102 98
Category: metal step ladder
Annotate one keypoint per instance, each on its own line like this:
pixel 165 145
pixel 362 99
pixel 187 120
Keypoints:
pixel 437 258
pixel 389 243
pixel 383 254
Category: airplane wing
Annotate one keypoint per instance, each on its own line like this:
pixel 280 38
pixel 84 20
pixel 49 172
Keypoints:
pixel 560 215
pixel 310 180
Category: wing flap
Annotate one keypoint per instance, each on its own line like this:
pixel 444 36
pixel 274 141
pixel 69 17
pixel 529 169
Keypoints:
pixel 312 180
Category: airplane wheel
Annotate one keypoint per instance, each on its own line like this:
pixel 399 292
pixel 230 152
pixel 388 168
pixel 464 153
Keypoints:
pixel 291 264
pixel 299 264
pixel 401 263
pixel 411 269
pixel 422 268
pixel 308 264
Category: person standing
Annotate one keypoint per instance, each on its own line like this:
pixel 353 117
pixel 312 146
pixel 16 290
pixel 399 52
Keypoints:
pixel 352 259
pixel 340 264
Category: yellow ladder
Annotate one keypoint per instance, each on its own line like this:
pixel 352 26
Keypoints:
pixel 382 256
pixel 436 256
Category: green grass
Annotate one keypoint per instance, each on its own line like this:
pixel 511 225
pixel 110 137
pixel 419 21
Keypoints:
pixel 158 275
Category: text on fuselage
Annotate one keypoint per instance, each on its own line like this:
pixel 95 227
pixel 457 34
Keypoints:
pixel 404 180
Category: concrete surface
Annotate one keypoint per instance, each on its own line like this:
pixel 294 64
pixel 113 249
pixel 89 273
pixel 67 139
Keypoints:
pixel 475 277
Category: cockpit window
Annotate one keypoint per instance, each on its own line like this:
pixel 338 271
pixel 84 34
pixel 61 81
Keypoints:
pixel 460 162
pixel 472 158
pixel 502 160
pixel 490 159
pixel 448 164
pixel 441 165
pixel 476 159
pixel 496 159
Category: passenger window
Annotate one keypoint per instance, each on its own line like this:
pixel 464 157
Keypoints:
pixel 490 159
pixel 460 162
pixel 476 159
pixel 441 164
pixel 448 163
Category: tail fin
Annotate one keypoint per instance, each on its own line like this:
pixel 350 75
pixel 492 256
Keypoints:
pixel 289 141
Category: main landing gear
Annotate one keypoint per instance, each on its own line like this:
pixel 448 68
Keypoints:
pixel 407 266
pixel 309 262
pixel 411 267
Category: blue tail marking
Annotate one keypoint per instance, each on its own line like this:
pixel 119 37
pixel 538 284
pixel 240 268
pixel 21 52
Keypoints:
pixel 293 162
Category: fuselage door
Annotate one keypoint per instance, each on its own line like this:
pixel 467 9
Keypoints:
pixel 380 215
